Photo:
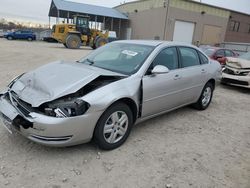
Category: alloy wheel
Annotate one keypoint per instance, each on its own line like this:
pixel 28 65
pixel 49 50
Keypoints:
pixel 115 127
pixel 206 97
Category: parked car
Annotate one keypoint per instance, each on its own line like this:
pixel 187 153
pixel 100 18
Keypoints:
pixel 104 94
pixel 1 33
pixel 237 71
pixel 218 54
pixel 20 34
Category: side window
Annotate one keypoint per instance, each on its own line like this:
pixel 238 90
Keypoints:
pixel 220 53
pixel 189 57
pixel 228 53
pixel 61 29
pixel 168 58
pixel 18 32
pixel 203 58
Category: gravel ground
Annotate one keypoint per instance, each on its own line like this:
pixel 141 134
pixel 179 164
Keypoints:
pixel 184 148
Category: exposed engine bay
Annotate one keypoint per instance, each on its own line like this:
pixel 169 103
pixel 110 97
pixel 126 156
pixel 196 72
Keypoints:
pixel 71 105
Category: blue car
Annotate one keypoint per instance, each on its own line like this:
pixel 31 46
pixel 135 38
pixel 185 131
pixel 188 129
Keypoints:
pixel 21 34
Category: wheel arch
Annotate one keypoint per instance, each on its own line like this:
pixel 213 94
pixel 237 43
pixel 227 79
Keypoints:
pixel 129 102
pixel 73 33
pixel 126 100
pixel 212 81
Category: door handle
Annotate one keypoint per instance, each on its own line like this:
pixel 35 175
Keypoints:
pixel 203 71
pixel 177 77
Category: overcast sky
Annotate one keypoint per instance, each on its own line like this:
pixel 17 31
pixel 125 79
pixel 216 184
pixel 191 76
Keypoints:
pixel 37 10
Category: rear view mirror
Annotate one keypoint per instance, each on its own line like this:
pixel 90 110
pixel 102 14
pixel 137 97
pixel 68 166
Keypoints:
pixel 160 69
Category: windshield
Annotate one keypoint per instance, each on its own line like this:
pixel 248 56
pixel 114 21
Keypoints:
pixel 119 57
pixel 208 51
pixel 245 56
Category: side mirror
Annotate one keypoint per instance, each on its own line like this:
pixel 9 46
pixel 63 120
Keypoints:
pixel 160 69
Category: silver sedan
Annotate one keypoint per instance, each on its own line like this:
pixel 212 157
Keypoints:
pixel 103 95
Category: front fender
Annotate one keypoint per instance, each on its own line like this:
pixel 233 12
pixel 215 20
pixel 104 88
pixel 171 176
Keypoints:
pixel 104 97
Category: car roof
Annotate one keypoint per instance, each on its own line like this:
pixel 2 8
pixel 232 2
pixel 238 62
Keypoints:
pixel 154 42
pixel 215 48
pixel 141 42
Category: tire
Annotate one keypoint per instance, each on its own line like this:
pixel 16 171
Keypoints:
pixel 205 98
pixel 29 39
pixel 65 45
pixel 100 42
pixel 93 47
pixel 10 38
pixel 114 126
pixel 73 42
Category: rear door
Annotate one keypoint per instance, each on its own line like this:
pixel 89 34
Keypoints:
pixel 229 53
pixel 18 35
pixel 24 35
pixel 193 74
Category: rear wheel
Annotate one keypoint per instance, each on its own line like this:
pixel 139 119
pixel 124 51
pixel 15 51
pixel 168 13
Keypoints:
pixel 93 47
pixel 100 42
pixel 205 98
pixel 73 42
pixel 29 39
pixel 114 126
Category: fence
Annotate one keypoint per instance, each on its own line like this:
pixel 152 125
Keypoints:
pixel 237 47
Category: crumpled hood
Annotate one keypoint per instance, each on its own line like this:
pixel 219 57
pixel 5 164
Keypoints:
pixel 55 80
pixel 238 63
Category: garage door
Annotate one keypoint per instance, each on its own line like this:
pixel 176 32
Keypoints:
pixel 211 35
pixel 183 31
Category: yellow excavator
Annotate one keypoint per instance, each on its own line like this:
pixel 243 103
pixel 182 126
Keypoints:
pixel 74 35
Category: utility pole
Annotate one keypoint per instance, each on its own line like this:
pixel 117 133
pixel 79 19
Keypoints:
pixel 166 5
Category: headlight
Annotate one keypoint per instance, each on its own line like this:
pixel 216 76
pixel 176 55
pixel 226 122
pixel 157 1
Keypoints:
pixel 66 108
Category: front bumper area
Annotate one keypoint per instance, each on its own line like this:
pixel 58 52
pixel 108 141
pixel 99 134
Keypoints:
pixel 47 130
pixel 241 81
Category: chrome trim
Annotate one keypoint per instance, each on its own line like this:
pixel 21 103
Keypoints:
pixel 52 139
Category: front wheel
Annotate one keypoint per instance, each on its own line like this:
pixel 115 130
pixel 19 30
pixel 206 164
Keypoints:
pixel 65 45
pixel 10 38
pixel 114 126
pixel 100 42
pixel 30 39
pixel 205 98
pixel 73 41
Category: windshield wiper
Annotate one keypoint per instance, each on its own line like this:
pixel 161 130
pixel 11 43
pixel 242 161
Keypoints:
pixel 90 62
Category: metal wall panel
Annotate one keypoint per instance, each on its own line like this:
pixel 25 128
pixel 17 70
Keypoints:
pixel 211 35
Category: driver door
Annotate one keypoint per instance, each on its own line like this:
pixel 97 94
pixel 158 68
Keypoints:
pixel 162 92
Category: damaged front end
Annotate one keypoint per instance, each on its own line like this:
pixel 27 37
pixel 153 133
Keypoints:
pixel 236 72
pixel 72 105
pixel 53 121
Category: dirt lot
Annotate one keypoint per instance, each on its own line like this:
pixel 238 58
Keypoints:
pixel 185 148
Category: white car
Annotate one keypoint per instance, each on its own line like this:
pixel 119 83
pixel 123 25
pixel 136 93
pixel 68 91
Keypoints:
pixel 237 71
